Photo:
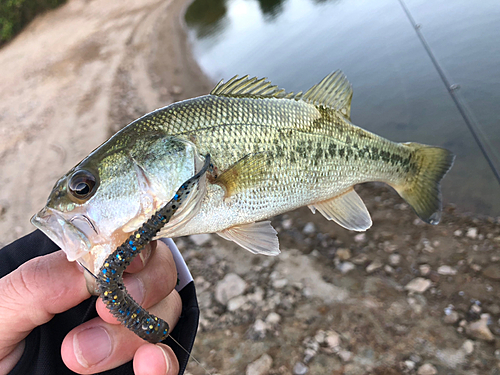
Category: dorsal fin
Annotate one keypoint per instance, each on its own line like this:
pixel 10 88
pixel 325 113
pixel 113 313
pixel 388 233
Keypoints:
pixel 333 91
pixel 244 86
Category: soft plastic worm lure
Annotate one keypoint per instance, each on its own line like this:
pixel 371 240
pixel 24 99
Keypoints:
pixel 110 278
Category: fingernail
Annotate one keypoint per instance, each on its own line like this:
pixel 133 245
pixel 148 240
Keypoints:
pixel 92 346
pixel 135 287
pixel 145 253
pixel 168 363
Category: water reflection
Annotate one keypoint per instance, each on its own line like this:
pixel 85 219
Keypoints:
pixel 397 92
pixel 271 8
pixel 206 17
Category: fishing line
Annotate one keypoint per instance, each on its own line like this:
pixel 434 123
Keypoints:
pixel 452 91
pixel 190 355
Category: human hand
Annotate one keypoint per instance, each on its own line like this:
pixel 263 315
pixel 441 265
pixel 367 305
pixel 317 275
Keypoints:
pixel 44 286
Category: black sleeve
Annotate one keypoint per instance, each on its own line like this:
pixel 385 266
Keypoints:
pixel 42 354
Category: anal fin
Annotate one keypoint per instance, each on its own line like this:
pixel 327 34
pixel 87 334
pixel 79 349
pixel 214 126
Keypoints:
pixel 347 210
pixel 258 238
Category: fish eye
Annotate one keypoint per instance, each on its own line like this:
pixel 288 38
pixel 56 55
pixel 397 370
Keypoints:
pixel 82 184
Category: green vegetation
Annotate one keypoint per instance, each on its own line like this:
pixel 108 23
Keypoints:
pixel 15 14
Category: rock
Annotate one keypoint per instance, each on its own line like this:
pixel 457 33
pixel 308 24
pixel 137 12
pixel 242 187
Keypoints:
pixel 332 339
pixel 494 309
pixel 200 239
pixel 458 233
pixel 273 319
pixel 417 303
pixel 258 330
pixel 360 259
pixel 394 259
pixel 235 303
pixel 492 271
pixel 343 253
pixel 476 267
pixel 300 369
pixel 229 287
pixel 257 296
pixel 388 269
pixel 260 366
pixel 280 283
pixel 479 329
pixel 373 266
pixel 418 285
pixel 389 247
pixel 475 309
pixel 320 336
pixel 345 355
pixel 287 224
pixel 415 358
pixel 472 233
pixel 360 237
pixel 446 270
pixel 451 318
pixel 424 269
pixel 345 267
pixel 309 228
pixel 468 347
pixel 497 354
pixel 410 365
pixel 296 267
pixel 309 354
pixel 427 369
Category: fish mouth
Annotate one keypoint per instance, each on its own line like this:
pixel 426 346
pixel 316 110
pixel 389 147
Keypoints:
pixel 64 233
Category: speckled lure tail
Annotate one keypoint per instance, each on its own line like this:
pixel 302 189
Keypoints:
pixel 110 278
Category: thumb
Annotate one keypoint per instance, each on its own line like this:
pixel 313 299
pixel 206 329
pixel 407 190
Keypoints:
pixel 32 294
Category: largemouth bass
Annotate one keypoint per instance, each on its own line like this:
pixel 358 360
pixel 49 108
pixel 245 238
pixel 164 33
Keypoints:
pixel 271 152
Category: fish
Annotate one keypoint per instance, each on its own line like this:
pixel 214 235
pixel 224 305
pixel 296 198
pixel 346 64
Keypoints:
pixel 271 152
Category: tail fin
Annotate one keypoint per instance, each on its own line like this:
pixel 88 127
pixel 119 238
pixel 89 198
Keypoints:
pixel 422 190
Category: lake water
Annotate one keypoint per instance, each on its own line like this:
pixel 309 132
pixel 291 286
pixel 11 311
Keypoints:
pixel 397 91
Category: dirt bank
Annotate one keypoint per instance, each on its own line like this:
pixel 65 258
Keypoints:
pixel 402 298
pixel 71 79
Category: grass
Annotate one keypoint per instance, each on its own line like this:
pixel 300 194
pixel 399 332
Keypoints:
pixel 15 14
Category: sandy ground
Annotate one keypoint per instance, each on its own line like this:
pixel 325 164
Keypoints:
pixel 74 77
pixel 403 298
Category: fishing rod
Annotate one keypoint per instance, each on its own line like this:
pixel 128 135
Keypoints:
pixel 451 88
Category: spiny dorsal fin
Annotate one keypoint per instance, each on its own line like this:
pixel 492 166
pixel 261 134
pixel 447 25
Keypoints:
pixel 333 91
pixel 244 87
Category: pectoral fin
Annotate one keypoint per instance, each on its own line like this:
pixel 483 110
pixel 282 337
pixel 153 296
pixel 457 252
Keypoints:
pixel 246 173
pixel 258 238
pixel 347 210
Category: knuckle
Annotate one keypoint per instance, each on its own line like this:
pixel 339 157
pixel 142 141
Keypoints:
pixel 24 281
pixel 176 302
